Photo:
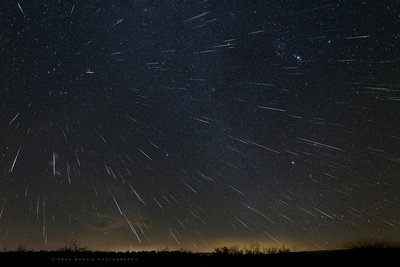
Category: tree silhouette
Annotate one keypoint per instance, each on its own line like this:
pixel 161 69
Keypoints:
pixel 73 246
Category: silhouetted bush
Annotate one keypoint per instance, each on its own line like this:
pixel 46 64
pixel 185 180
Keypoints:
pixel 73 246
pixel 371 245
pixel 254 249
pixel 20 248
pixel 232 250
pixel 163 250
pixel 282 249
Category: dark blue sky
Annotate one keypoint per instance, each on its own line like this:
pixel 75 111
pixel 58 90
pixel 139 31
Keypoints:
pixel 192 124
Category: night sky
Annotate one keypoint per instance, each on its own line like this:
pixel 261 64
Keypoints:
pixel 146 124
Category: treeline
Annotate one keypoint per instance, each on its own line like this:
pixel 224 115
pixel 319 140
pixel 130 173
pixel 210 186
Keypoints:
pixel 252 250
pixel 255 249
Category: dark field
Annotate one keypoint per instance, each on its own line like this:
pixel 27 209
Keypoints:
pixel 350 257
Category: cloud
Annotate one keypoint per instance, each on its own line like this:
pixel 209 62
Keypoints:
pixel 113 223
pixel 107 224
